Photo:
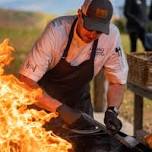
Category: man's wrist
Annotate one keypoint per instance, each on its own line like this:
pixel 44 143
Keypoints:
pixel 113 109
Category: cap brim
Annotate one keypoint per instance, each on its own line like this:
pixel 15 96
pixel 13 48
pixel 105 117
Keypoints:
pixel 96 25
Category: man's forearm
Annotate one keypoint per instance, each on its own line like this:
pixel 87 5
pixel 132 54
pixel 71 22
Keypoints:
pixel 115 95
pixel 47 102
pixel 44 101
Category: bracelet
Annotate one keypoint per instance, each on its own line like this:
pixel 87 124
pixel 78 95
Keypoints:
pixel 113 109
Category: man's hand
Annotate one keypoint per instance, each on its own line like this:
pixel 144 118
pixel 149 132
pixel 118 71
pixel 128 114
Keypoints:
pixel 68 115
pixel 75 119
pixel 113 124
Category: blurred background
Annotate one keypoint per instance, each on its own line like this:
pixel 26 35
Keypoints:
pixel 22 21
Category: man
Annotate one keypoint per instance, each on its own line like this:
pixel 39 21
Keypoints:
pixel 135 12
pixel 70 52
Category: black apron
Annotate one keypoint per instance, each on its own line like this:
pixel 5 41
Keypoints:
pixel 70 84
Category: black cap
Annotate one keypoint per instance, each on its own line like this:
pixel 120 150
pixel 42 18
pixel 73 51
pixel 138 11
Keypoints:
pixel 97 15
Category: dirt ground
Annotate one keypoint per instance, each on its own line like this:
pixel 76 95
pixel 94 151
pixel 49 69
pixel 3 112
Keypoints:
pixel 126 111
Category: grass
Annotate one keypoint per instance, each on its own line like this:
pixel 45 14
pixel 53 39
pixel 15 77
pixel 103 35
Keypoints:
pixel 18 19
pixel 22 28
pixel 126 44
pixel 22 40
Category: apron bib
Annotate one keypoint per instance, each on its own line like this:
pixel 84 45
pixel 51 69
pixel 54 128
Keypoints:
pixel 70 84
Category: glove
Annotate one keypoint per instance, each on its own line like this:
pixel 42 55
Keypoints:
pixel 67 114
pixel 85 122
pixel 113 124
pixel 75 119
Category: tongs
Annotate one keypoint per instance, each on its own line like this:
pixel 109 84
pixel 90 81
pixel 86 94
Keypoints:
pixel 128 141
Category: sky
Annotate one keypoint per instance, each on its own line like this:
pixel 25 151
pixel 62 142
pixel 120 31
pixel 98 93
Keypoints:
pixel 57 7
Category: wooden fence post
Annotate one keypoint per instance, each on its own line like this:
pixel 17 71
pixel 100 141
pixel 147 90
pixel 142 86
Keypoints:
pixel 99 93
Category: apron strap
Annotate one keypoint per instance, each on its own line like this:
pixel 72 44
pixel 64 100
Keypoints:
pixel 95 43
pixel 70 39
pixel 93 53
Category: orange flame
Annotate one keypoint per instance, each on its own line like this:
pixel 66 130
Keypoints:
pixel 148 139
pixel 21 128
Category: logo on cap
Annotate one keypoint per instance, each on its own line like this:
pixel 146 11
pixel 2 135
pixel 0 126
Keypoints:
pixel 101 13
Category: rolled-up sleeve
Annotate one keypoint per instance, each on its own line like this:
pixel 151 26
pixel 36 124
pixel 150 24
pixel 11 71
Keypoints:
pixel 116 67
pixel 37 61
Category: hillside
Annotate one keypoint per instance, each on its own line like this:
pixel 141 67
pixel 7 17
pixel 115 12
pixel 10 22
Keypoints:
pixel 22 28
pixel 13 18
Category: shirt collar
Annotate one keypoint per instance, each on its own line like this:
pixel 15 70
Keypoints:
pixel 76 37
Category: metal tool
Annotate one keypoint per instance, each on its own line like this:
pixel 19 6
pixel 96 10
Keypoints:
pixel 128 141
pixel 96 130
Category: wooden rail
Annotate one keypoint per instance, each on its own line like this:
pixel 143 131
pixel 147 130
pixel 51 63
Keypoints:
pixel 139 94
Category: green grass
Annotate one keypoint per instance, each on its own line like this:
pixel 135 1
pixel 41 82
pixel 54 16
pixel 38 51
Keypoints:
pixel 18 19
pixel 22 40
pixel 126 44
pixel 22 28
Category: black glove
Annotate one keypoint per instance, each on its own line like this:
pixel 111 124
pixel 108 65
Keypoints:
pixel 67 114
pixel 113 124
pixel 76 119
pixel 85 122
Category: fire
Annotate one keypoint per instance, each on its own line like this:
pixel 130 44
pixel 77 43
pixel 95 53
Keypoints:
pixel 21 128
pixel 148 139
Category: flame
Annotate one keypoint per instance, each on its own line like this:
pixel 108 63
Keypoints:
pixel 21 128
pixel 148 139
